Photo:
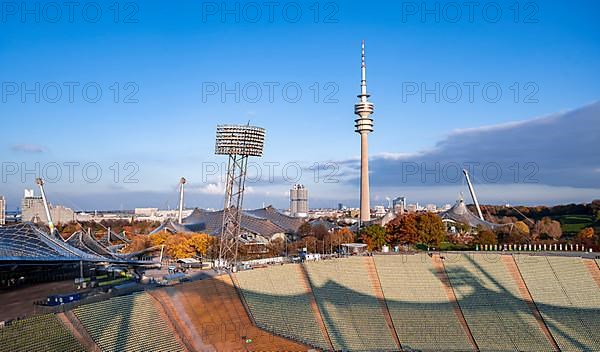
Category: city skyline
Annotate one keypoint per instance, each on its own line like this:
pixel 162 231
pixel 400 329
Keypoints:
pixel 170 76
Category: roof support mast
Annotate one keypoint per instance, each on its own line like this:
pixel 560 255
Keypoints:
pixel 180 215
pixel 473 194
pixel 40 183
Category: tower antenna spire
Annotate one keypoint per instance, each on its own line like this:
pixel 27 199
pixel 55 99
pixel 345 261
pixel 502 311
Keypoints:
pixel 363 83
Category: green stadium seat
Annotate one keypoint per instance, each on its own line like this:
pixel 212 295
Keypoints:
pixel 39 333
pixel 568 299
pixel 499 319
pixel 279 303
pixel 423 316
pixel 127 323
pixel 350 310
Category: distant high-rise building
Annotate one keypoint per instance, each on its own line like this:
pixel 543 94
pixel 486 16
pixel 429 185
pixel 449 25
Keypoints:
pixel 431 207
pixel 32 210
pixel 399 205
pixel 2 211
pixel 412 208
pixel 299 201
pixel 379 211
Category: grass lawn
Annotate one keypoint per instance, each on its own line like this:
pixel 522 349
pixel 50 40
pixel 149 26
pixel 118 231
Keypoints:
pixel 574 223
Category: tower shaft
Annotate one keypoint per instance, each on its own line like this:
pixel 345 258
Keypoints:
pixel 365 207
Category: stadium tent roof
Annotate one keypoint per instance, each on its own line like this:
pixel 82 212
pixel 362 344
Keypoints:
pixel 110 237
pixel 265 222
pixel 88 244
pixel 25 242
pixel 461 214
pixel 291 224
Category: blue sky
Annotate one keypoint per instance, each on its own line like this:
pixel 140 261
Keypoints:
pixel 163 57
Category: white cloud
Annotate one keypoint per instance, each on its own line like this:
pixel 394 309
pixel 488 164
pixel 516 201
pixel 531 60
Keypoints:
pixel 212 189
pixel 27 148
pixel 558 150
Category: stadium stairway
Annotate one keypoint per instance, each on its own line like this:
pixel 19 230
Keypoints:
pixel 378 291
pixel 165 308
pixel 513 269
pixel 173 304
pixel 73 324
pixel 594 270
pixel 305 282
pixel 240 294
pixel 441 271
pixel 218 316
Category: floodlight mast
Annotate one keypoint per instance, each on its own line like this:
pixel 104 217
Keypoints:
pixel 40 183
pixel 180 215
pixel 238 142
pixel 472 190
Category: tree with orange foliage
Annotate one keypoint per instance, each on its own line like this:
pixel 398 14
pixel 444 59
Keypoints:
pixel 522 228
pixel 337 238
pixel 402 230
pixel 586 234
pixel 183 245
pixel 158 239
pixel 138 243
pixel 200 243
pixel 177 247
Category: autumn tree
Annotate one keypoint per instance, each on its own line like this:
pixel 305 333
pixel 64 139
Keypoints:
pixel 522 228
pixel 402 230
pixel 588 237
pixel 138 243
pixel 158 239
pixel 546 229
pixel 183 245
pixel 586 234
pixel 176 247
pixel 276 246
pixel 200 243
pixel 311 243
pixel 338 237
pixel 305 229
pixel 485 236
pixel 319 231
pixel 430 229
pixel 373 236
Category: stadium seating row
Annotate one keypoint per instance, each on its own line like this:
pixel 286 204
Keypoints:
pixel 423 316
pixel 499 319
pixel 348 305
pixel 39 333
pixel 280 304
pixel 492 297
pixel 127 323
pixel 568 299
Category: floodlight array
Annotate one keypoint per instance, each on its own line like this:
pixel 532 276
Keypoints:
pixel 240 140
